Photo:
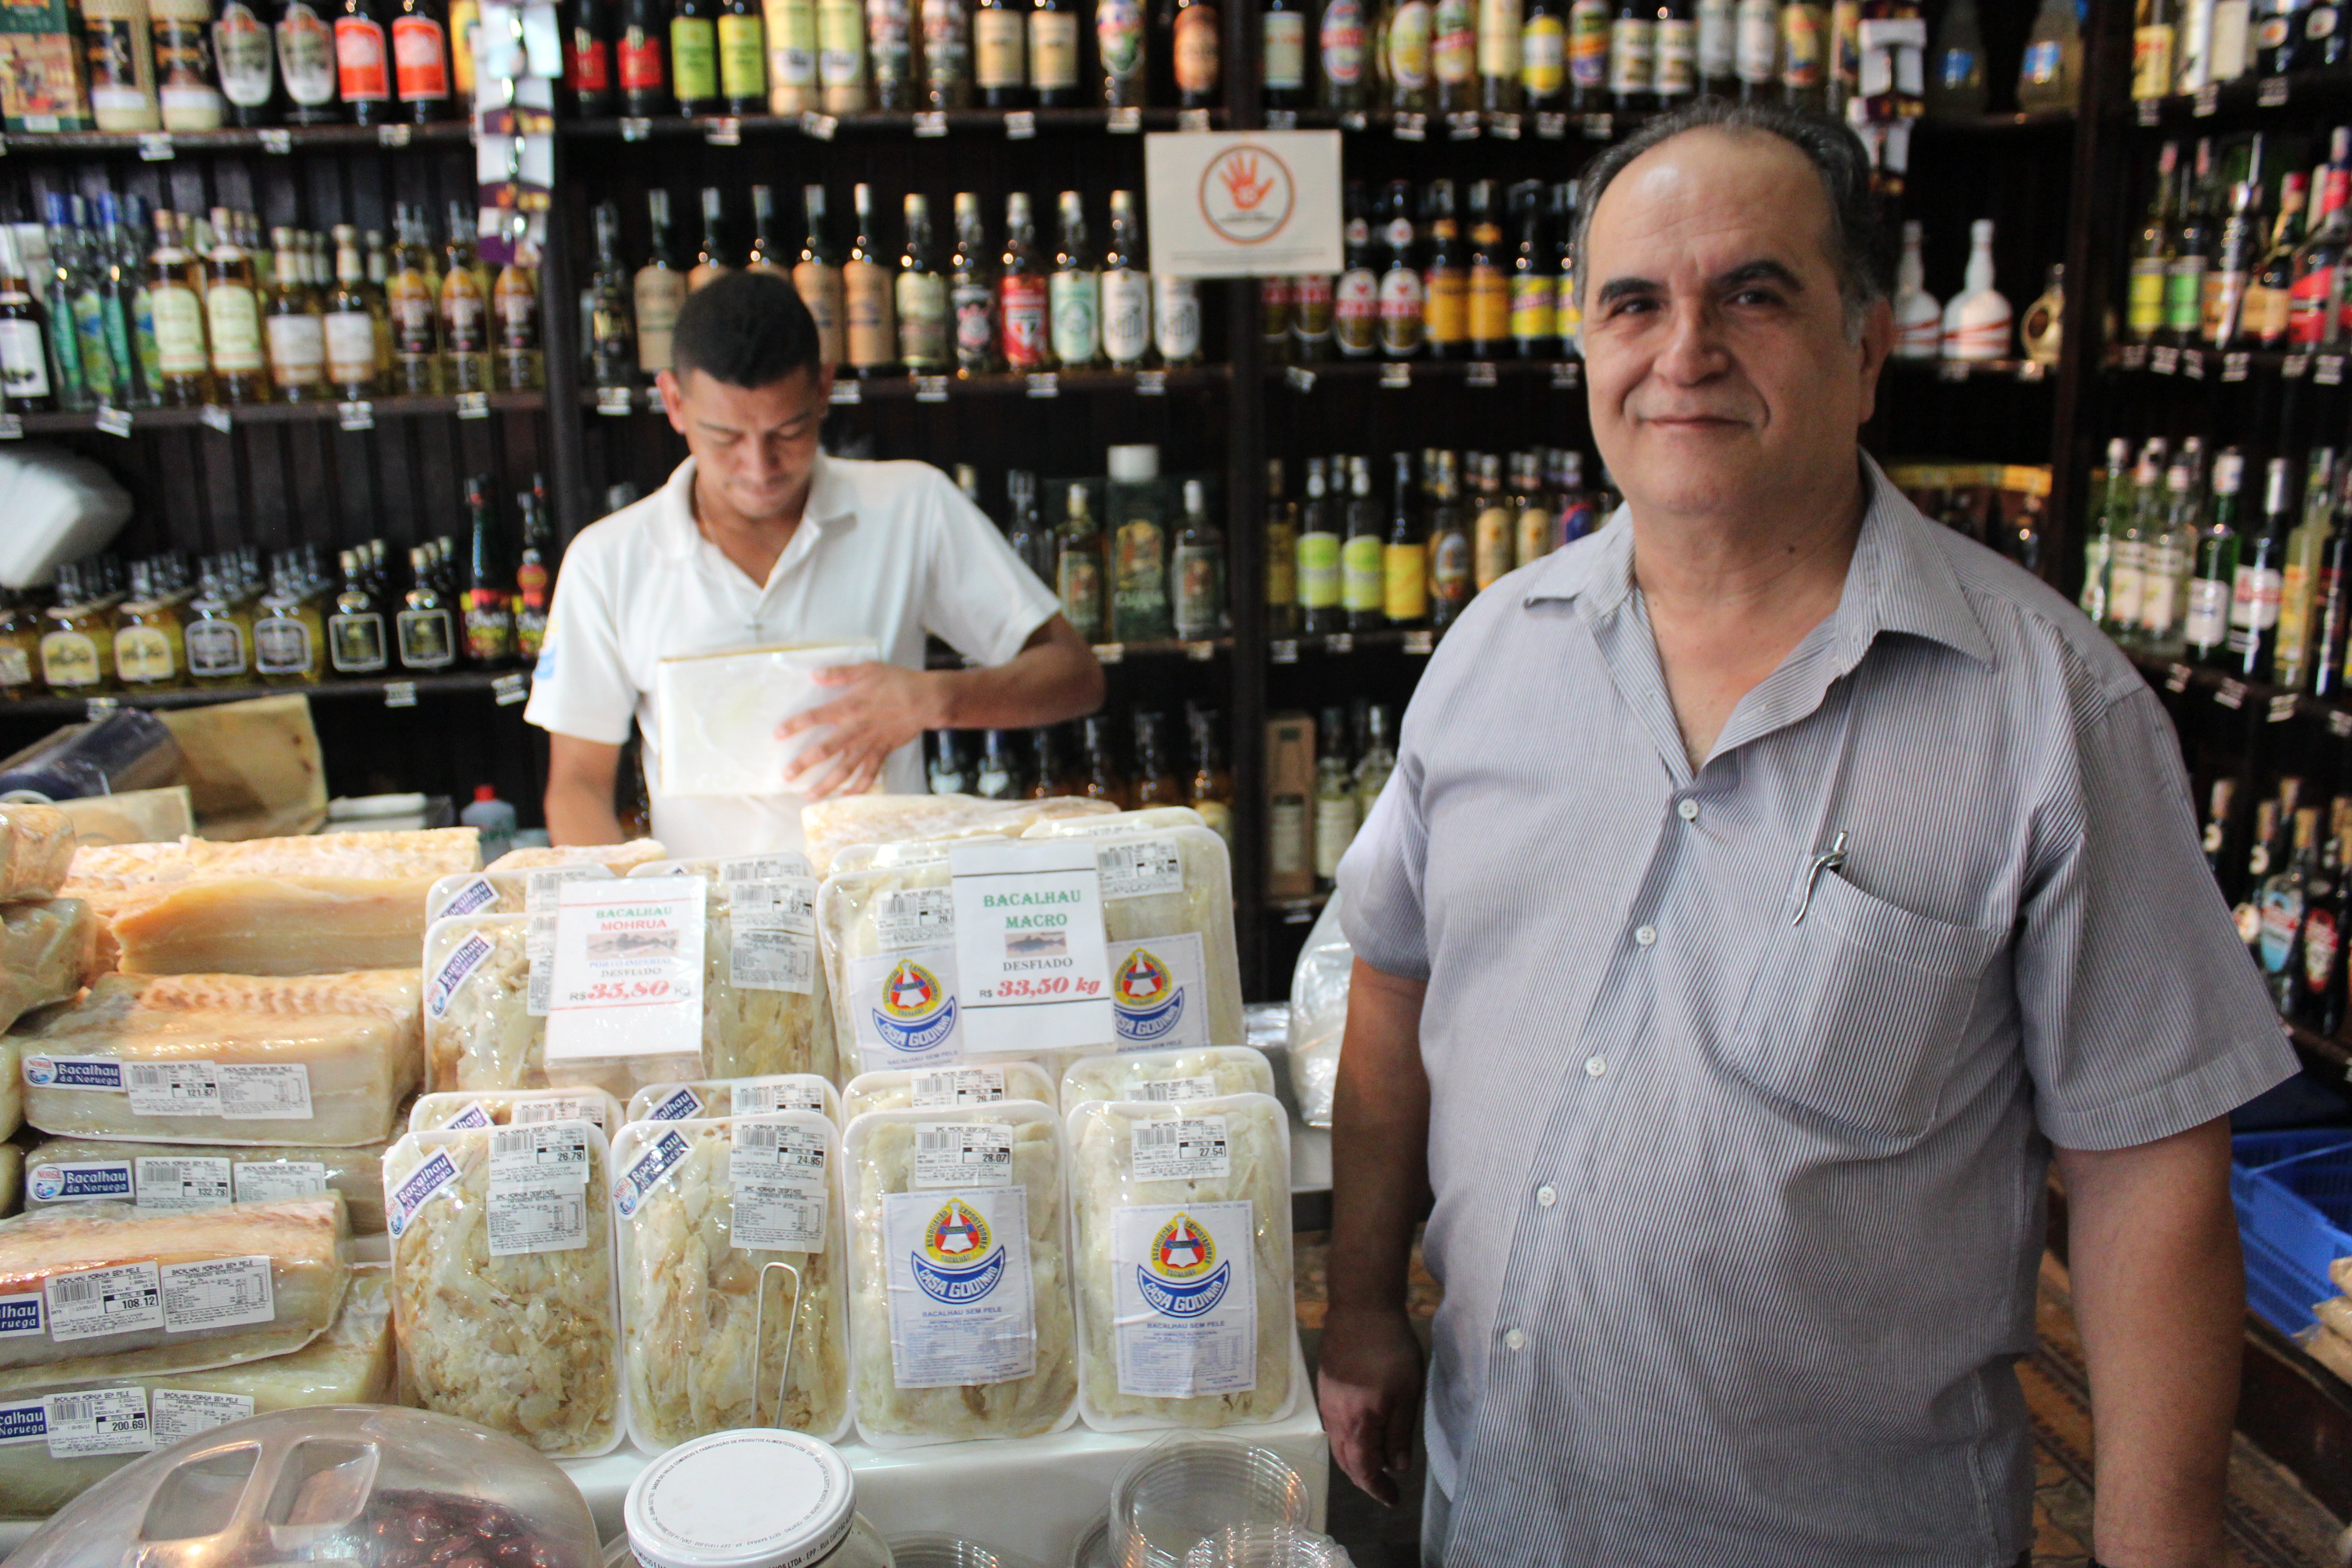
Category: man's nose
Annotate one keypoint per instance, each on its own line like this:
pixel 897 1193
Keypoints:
pixel 1693 350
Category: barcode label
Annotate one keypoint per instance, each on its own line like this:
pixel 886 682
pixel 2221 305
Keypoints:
pixel 963 1154
pixel 1173 1090
pixel 1182 1149
pixel 539 1154
pixel 772 959
pixel 103 1421
pixel 761 1098
pixel 184 1412
pixel 915 916
pixel 950 1087
pixel 776 1177
pixel 1142 868
pixel 173 1088
pixel 564 1108
pixel 218 1293
pixel 127 1298
pixel 780 1150
pixel 256 1093
pixel 181 1184
pixel 769 892
pixel 266 1181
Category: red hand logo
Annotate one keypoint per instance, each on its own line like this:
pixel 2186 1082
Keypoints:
pixel 1242 183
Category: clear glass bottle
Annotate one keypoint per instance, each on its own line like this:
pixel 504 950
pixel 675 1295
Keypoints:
pixel 77 637
pixel 148 655
pixel 1379 760
pixel 216 635
pixel 1078 565
pixel 356 644
pixel 1198 569
pixel 1073 293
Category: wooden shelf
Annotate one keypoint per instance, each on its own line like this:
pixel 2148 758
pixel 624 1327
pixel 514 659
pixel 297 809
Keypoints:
pixel 1400 374
pixel 2323 366
pixel 157 146
pixel 894 387
pixel 1198 650
pixel 509 687
pixel 2014 122
pixel 723 130
pixel 377 408
pixel 1419 641
pixel 2250 96
pixel 2275 704
pixel 2017 371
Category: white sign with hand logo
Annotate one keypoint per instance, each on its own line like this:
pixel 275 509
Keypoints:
pixel 1242 203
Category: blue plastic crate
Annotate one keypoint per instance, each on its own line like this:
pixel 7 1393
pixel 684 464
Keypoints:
pixel 2301 1208
pixel 2253 1151
pixel 2279 1293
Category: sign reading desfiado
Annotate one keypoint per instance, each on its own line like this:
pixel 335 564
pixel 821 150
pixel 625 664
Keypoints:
pixel 628 968
pixel 1030 968
pixel 1242 203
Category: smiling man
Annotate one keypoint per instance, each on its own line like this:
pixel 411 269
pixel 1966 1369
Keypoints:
pixel 760 538
pixel 1729 985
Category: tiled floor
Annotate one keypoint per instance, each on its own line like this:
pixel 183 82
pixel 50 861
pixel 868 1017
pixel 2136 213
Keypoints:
pixel 2273 1521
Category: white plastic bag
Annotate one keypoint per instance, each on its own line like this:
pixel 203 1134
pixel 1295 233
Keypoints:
pixel 1319 1014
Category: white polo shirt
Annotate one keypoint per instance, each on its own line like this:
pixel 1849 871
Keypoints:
pixel 886 551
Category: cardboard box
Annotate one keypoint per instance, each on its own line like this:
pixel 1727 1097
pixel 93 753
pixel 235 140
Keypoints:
pixel 1290 806
pixel 44 81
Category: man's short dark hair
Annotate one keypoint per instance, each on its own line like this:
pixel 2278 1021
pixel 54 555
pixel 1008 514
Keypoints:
pixel 1858 231
pixel 747 329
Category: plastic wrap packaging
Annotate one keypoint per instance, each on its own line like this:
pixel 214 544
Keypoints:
pixel 460 1108
pixel 269 925
pixel 959 1313
pixel 12 1179
pixel 130 748
pixel 12 1085
pixel 617 858
pixel 351 1363
pixel 1181 1225
pixel 322 1060
pixel 720 713
pixel 945 1087
pixel 1168 1076
pixel 36 845
pixel 479 1030
pixel 181 1177
pixel 712 1098
pixel 764 1007
pixel 503 1282
pixel 703 1207
pixel 366 857
pixel 1319 1014
pixel 833 826
pixel 104 1289
pixel 48 951
pixel 1152 818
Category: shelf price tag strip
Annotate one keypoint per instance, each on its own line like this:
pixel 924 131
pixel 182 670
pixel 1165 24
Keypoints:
pixel 216 416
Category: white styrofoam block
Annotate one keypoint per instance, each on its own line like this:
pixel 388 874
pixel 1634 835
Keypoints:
pixel 719 713
pixel 59 508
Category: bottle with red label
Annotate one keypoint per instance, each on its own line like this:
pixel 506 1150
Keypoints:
pixel 1356 297
pixel 2313 299
pixel 364 61
pixel 641 57
pixel 588 58
pixel 420 60
pixel 1021 292
pixel 1196 50
pixel 488 604
pixel 1402 326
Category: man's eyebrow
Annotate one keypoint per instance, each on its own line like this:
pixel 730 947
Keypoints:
pixel 1760 271
pixel 1618 289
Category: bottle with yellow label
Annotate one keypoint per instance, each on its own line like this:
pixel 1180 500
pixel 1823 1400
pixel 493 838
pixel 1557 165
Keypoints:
pixel 1446 281
pixel 1363 566
pixel 1321 611
pixel 289 635
pixel 1490 286
pixel 1405 558
pixel 743 56
pixel 20 647
pixel 840 55
pixel 2151 257
pixel 1493 547
pixel 694 57
pixel 76 638
pixel 147 654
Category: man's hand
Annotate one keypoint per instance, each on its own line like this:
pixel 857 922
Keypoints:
pixel 1370 1390
pixel 883 708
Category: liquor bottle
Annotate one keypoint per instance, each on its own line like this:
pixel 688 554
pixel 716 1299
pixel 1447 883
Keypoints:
pixel 76 645
pixel 1530 289
pixel 2312 316
pixel 1377 761
pixel 488 608
pixel 1633 43
pixel 1031 540
pixel 2192 245
pixel 1956 75
pixel 1053 53
pixel 1334 796
pixel 2206 627
pixel 308 61
pixel 286 647
pixel 890 53
pixel 534 590
pixel 1098 776
pixel 245 54
pixel 465 308
pixel 2326 902
pixel 420 60
pixel 588 81
pixel 514 301
pixel 2332 618
pixel 1000 37
pixel 949 771
pixel 213 635
pixel 818 279
pixel 1406 34
pixel 642 59
pixel 1142 599
pixel 2260 856
pixel 1273 317
pixel 1977 322
pixel 2222 319
pixel 694 56
pixel 2269 296
pixel 922 297
pixel 2050 76
pixel 1281 54
pixel 2281 900
pixel 1756 57
pixel 1674 57
pixel 1804 66
pixel 24 351
pixel 1197 567
pixel 348 322
pixel 947 54
pixel 117 44
pixel 740 56
pixel 188 96
pixel 1343 50
pixel 658 289
pixel 1079 567
pixel 1918 317
pixel 865 288
pixel 1210 789
pixel 1452 567
pixel 2152 48
pixel 1281 547
pixel 1196 49
pixel 1126 287
pixel 1543 57
pixel 233 318
pixel 1405 554
pixel 1021 311
pixel 295 329
pixel 2260 579
pixel 2218 842
pixel 2321 37
pixel 1363 588
pixel 710 257
pixel 362 61
pixel 355 639
pixel 424 630
pixel 1489 313
pixel 1320 519
pixel 2169 554
pixel 971 290
pixel 1446 279
pixel 147 650
pixel 1453 55
pixel 1490 533
pixel 1155 782
pixel 2131 520
pixel 102 305
pixel 841 56
pixel 1073 293
pixel 62 289
pixel 2098 544
pixel 465 27
pixel 2291 657
pixel 2277 42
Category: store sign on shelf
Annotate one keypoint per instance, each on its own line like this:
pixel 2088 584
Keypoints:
pixel 1242 203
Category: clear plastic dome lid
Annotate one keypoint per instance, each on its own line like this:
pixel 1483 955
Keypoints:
pixel 359 1486
pixel 755 1499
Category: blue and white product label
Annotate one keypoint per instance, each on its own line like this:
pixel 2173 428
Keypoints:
pixel 180 1413
pixel 538 1188
pixel 450 978
pixel 1141 869
pixel 764 1099
pixel 645 1172
pixel 80 1182
pixel 470 897
pixel 22 1316
pixel 1182 1149
pixel 475 1115
pixel 776 1178
pixel 127 1298
pixel 94 1424
pixel 558 1108
pixel 1184 1301
pixel 945 1087
pixel 1160 994
pixel 218 1293
pixel 268 1181
pixel 682 1104
pixel 405 1198
pixel 180 1183
pixel 24 1421
pixel 963 1309
pixel 101 1074
pixel 903 1008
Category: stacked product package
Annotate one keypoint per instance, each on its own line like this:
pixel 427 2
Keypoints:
pixel 215 1110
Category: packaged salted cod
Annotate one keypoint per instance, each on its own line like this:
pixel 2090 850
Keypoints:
pixel 179 1177
pixel 502 1280
pixel 1182 1231
pixel 706 1209
pixel 945 1087
pixel 764 1008
pixel 715 1097
pixel 12 1178
pixel 371 856
pixel 318 1060
pixel 481 1032
pixel 615 857
pixel 832 825
pixel 48 951
pixel 960 1306
pixel 12 1085
pixel 515 1107
pixel 1161 1077
pixel 269 925
pixel 36 845
pixel 101 1289
pixel 66 1439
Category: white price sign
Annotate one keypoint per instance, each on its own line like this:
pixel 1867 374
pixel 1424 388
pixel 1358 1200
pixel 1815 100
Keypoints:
pixel 1032 970
pixel 1242 203
pixel 627 977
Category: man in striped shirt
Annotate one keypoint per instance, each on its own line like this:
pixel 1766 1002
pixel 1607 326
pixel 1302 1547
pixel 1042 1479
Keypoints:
pixel 1769 886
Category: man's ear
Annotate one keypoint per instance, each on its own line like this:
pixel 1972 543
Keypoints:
pixel 1877 342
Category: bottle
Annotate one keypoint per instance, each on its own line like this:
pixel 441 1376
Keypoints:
pixel 2267 315
pixel 2097 552
pixel 2152 48
pixel 840 55
pixel 1141 595
pixel 2133 528
pixel 588 58
pixel 420 60
pixel 865 284
pixel 117 44
pixel 612 318
pixel 1364 558
pixel 947 54
pixel 188 96
pixel 1918 318
pixel 1210 790
pixel 949 772
pixel 286 649
pixel 489 604
pixel 1756 57
pixel 1405 34
pixel 514 301
pixel 2283 897
pixel 245 56
pixel 658 289
pixel 308 61
pixel 694 56
pixel 233 318
pixel 1343 50
pixel 295 331
pixel 1956 78
pixel 642 59
pixel 710 257
pixel 465 308
pixel 1074 294
pixel 413 297
pixel 1717 40
pixel 1098 775
pixel 922 297
pixel 348 326
pixel 355 639
pixel 24 351
pixel 1977 322
pixel 740 44
pixel 1198 567
pixel 1281 54
pixel 1156 783
pixel 534 591
pixel 1176 320
pixel 1079 567
pixel 423 628
pixel 1405 556
pixel 1543 57
pixel 1451 564
pixel 972 289
pixel 1453 55
pixel 1487 317
pixel 2261 580
pixel 2192 245
pixel 1402 317
pixel 999 36
pixel 1321 612
pixel 1379 760
pixel 2260 858
pixel 1197 51
pixel 2332 618
pixel 820 281
pixel 2206 627
pixel 1334 796
pixel 1126 287
pixel 1591 23
pixel 889 53
pixel 1673 60
pixel 2042 333
pixel 1633 43
pixel 147 650
pixel 998 777
pixel 1054 54
pixel 2051 74
pixel 2321 983
pixel 1803 57
pixel 2312 315
pixel 1493 529
pixel 2279 42
pixel 362 61
pixel 1281 547
pixel 2222 320
pixel 213 635
pixel 77 638
pixel 1021 311
pixel 2169 553
pixel 2291 659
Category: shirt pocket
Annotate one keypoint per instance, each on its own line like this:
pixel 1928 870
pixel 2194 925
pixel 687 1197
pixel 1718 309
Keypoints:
pixel 1858 1011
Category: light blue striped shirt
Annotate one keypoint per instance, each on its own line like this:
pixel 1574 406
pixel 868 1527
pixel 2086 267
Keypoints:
pixel 1738 1217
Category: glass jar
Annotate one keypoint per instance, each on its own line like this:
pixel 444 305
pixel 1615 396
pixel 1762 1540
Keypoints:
pixel 758 1498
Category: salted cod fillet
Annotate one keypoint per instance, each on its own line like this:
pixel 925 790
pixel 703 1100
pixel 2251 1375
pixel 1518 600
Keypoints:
pixel 351 1363
pixel 357 1172
pixel 894 1090
pixel 428 853
pixel 12 1178
pixel 1230 1070
pixel 306 1241
pixel 486 1037
pixel 748 1032
pixel 833 826
pixel 37 846
pixel 688 1297
pixel 620 857
pixel 272 925
pixel 48 951
pixel 432 1112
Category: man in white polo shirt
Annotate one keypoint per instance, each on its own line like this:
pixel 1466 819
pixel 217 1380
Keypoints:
pixel 758 538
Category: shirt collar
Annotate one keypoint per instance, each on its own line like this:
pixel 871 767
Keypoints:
pixel 831 499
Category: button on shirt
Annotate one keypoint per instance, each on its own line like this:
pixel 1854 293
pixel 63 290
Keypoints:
pixel 1788 1215
pixel 884 553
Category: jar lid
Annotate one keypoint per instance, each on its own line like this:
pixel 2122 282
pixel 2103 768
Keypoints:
pixel 755 1499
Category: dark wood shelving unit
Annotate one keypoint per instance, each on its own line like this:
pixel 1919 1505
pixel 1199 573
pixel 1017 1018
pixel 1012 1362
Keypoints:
pixel 164 146
pixel 357 415
pixel 1013 124
pixel 507 687
pixel 849 391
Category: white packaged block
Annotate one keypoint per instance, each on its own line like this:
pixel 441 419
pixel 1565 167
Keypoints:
pixel 720 713
pixel 1168 1076
pixel 711 1097
pixel 503 1108
pixel 183 1177
pixel 765 1009
pixel 830 827
pixel 947 1087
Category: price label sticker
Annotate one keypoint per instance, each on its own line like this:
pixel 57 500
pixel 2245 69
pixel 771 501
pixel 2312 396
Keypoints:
pixel 1599 127
pixel 2176 677
pixel 2339 724
pixel 627 974
pixel 2237 366
pixel 1033 969
pixel 511 688
pixel 1126 121
pixel 1421 642
pixel 114 421
pixel 1021 125
pixel 1479 373
pixel 1551 127
pixel 2164 362
pixel 1111 653
pixel 1282 120
pixel 216 417
pixel 726 132
pixel 2295 367
pixel 962 1155
pixel 1300 378
pixel 1200 652
pixel 155 147
pixel 1150 384
pixel 2147 111
pixel 2209 101
pixel 1354 120
pixel 848 389
pixel 1045 384
pixel 12 428
pixel 634 127
pixel 400 694
pixel 1282 650
pixel 1952 370
pixel 1462 127
pixel 2327 369
pixel 612 400
pixel 931 123
pixel 392 135
pixel 2282 708
pixel 930 389
pixel 2271 94
pixel 1340 643
pixel 1503 127
pixel 653 404
pixel 1568 375
pixel 820 126
pixel 1191 119
pixel 1182 1149
pixel 1410 127
pixel 278 140
pixel 2192 363
pixel 2231 694
pixel 1396 374
pixel 2031 370
pixel 359 416
pixel 98 708
pixel 473 405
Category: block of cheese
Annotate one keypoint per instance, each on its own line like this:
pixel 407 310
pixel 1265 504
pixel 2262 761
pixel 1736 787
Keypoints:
pixel 226 1058
pixel 833 826
pixel 351 1363
pixel 48 951
pixel 36 845
pixel 106 1289
pixel 271 924
pixel 619 858
pixel 179 1177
